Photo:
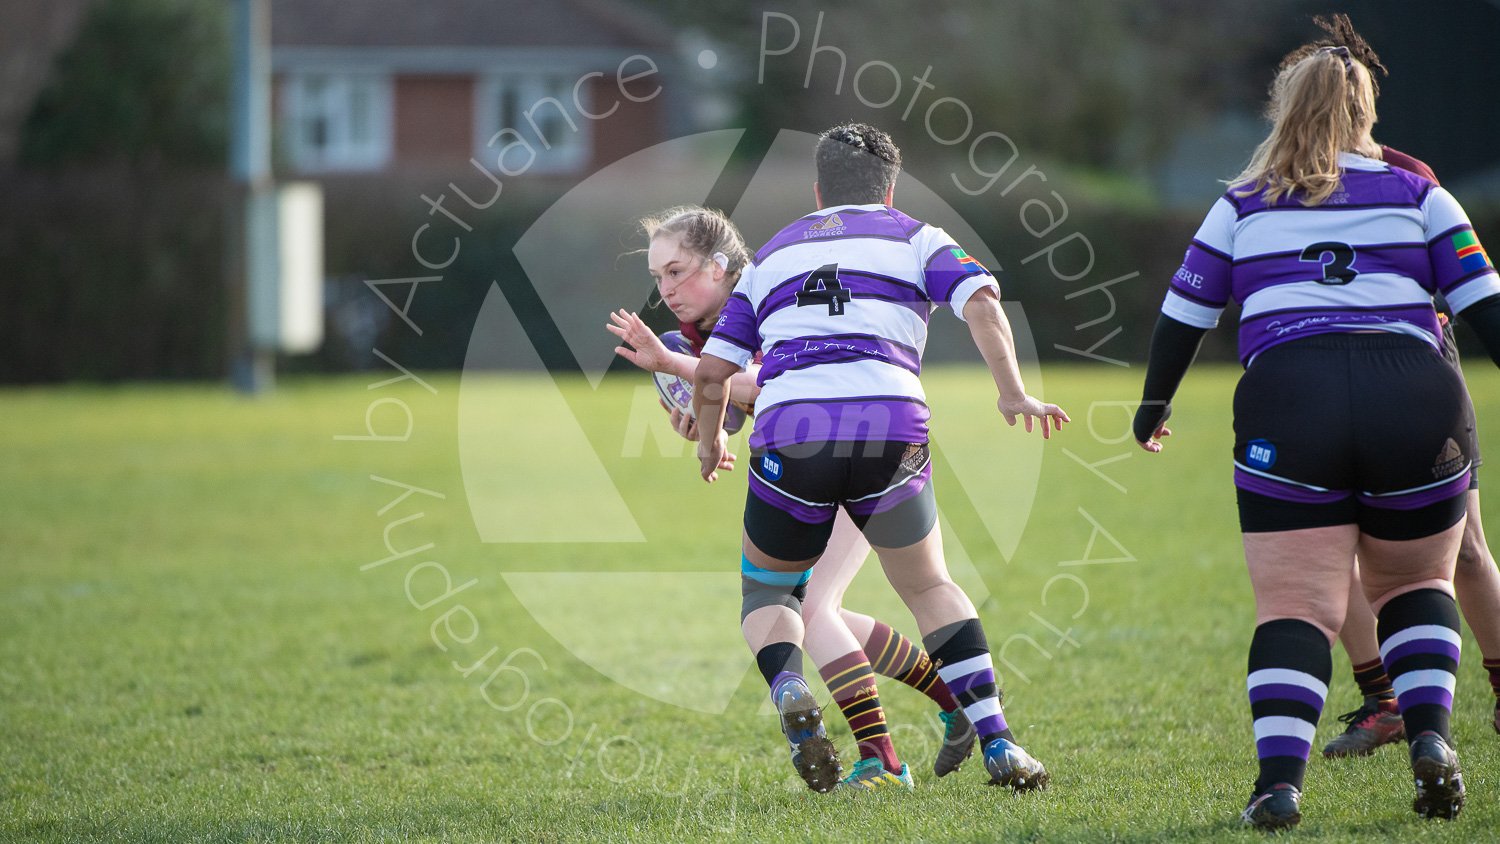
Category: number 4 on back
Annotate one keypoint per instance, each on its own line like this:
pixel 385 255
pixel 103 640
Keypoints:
pixel 822 287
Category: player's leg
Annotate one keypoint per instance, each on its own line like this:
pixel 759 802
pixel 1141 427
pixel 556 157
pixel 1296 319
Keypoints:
pixel 1414 481
pixel 779 548
pixel 770 620
pixel 1376 722
pixel 840 642
pixel 954 636
pixel 842 661
pixel 893 655
pixel 897 657
pixel 1299 524
pixel 899 518
pixel 828 635
pixel 1300 578
pixel 1477 581
pixel 1409 584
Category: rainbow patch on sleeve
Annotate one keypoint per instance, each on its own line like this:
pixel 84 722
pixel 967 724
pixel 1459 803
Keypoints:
pixel 1471 255
pixel 968 262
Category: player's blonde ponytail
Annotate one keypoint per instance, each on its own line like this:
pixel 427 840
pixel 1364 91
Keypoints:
pixel 1320 106
pixel 705 232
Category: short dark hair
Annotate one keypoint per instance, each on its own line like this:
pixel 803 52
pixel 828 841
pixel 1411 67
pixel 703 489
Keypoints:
pixel 857 164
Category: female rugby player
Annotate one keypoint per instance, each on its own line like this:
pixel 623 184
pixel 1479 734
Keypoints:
pixel 696 255
pixel 1349 425
pixel 1475 579
pixel 838 303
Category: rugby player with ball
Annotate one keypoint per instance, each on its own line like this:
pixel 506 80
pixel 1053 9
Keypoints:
pixel 837 304
pixel 696 256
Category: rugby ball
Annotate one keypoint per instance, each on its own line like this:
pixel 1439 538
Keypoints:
pixel 678 392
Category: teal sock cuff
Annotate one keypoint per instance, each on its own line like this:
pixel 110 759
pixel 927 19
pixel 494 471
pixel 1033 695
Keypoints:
pixel 773 578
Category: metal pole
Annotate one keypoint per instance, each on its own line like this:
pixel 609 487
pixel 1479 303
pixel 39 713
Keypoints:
pixel 251 234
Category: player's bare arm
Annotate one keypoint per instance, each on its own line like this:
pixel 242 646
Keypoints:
pixel 992 334
pixel 710 398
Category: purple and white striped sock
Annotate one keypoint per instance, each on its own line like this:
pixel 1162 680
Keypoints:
pixel 963 659
pixel 972 683
pixel 1420 646
pixel 1290 665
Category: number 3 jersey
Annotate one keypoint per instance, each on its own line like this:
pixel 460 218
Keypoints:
pixel 1369 258
pixel 838 303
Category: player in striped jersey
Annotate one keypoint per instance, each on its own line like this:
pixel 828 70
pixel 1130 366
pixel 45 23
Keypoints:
pixel 1475 578
pixel 1476 581
pixel 696 255
pixel 1349 425
pixel 838 304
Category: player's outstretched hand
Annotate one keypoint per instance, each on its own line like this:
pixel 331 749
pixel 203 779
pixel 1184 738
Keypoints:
pixel 1032 410
pixel 1153 445
pixel 685 425
pixel 713 456
pixel 1152 416
pixel 645 349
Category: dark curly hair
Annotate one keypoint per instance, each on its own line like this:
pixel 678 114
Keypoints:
pixel 857 164
pixel 1341 33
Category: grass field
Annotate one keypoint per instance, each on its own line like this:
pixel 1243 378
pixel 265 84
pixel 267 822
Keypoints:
pixel 192 651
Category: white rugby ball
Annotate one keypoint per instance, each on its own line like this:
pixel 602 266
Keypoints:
pixel 678 392
pixel 675 392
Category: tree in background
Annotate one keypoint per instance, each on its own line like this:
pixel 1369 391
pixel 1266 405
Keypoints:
pixel 1095 84
pixel 145 83
pixel 112 229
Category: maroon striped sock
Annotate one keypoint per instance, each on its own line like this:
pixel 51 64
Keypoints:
pixel 1373 682
pixel 852 683
pixel 1493 667
pixel 895 656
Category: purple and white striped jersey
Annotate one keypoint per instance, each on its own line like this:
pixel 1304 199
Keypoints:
pixel 1369 258
pixel 838 304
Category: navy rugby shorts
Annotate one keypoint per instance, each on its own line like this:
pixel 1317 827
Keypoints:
pixel 1370 429
pixel 796 491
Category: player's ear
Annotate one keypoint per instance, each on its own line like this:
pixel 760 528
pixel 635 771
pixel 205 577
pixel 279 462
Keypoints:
pixel 817 196
pixel 890 194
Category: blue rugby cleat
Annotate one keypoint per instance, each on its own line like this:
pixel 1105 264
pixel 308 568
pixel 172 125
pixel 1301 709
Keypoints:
pixel 1011 766
pixel 813 755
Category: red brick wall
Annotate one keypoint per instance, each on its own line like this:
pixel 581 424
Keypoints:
pixel 434 120
pixel 633 127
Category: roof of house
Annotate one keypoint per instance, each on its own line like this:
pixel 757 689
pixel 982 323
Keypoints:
pixel 463 23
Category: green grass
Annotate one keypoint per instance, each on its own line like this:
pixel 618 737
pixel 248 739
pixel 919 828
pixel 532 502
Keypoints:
pixel 191 651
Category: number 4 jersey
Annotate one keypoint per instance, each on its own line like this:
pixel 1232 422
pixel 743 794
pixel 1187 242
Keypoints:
pixel 1369 258
pixel 838 304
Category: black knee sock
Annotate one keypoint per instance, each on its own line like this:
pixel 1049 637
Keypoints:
pixel 1419 644
pixel 1290 665
pixel 777 657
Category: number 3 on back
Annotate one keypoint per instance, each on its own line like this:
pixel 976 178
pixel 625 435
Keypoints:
pixel 1337 260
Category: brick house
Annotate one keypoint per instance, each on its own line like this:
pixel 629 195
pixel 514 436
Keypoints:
pixel 385 87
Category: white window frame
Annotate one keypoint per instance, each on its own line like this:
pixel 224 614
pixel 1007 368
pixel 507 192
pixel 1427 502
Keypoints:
pixel 571 149
pixel 343 150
